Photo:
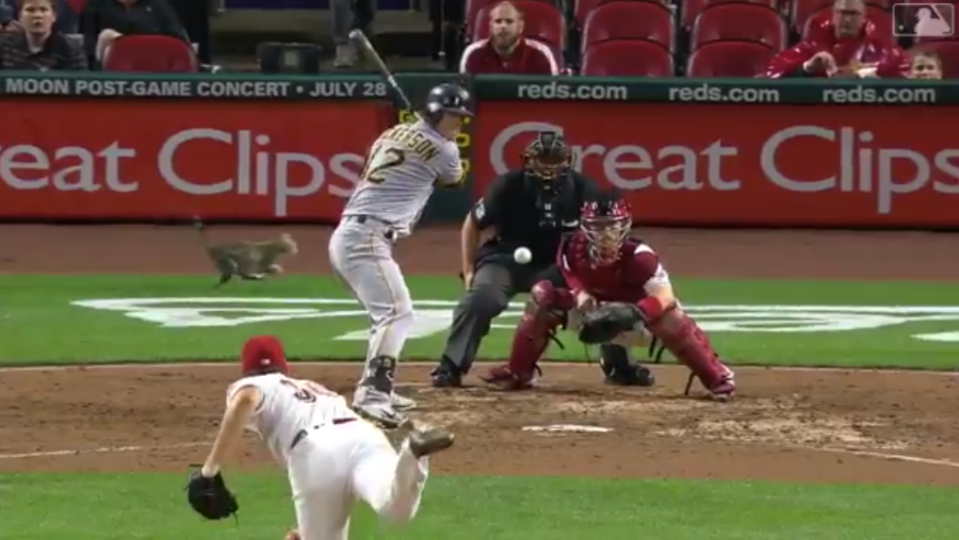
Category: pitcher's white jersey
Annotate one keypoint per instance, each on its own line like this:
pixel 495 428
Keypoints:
pixel 289 405
pixel 402 169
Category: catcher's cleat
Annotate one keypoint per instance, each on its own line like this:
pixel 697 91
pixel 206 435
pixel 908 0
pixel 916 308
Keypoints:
pixel 424 440
pixel 724 391
pixel 505 379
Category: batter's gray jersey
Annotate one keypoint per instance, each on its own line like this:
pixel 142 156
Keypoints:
pixel 403 167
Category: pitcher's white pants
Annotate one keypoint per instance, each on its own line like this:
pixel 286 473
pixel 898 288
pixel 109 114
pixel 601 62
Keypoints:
pixel 337 464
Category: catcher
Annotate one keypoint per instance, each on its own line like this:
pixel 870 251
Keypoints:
pixel 621 293
pixel 331 455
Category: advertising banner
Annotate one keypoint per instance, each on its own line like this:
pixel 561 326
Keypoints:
pixel 173 159
pixel 759 165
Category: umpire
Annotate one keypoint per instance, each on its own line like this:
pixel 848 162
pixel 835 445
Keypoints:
pixel 532 207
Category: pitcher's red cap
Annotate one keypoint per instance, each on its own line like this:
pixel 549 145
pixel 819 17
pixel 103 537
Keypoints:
pixel 261 352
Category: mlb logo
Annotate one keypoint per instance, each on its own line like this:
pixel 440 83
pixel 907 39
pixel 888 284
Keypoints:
pixel 924 20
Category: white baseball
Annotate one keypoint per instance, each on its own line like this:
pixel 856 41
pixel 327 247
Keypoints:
pixel 522 255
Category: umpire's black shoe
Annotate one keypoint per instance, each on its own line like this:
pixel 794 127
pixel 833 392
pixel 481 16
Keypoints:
pixel 637 376
pixel 446 375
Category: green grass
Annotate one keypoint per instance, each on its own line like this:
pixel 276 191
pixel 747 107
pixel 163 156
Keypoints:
pixel 153 506
pixel 39 325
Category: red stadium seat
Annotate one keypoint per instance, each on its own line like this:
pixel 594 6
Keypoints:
pixel 629 20
pixel 740 22
pixel 800 11
pixel 729 59
pixel 77 5
pixel 948 52
pixel 150 54
pixel 627 58
pixel 692 8
pixel 879 17
pixel 583 7
pixel 544 22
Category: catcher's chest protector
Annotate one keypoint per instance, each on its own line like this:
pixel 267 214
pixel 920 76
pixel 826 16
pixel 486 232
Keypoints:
pixel 607 283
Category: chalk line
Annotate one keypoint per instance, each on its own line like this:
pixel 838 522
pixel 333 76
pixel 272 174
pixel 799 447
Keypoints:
pixel 883 455
pixel 101 450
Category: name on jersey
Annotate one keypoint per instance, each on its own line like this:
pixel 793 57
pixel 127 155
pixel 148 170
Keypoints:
pixel 415 141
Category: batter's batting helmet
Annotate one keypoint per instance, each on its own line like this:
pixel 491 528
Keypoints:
pixel 446 98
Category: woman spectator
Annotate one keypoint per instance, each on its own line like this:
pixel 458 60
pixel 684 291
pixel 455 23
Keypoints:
pixel 925 65
pixel 104 21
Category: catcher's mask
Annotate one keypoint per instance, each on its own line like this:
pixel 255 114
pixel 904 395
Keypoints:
pixel 606 223
pixel 547 157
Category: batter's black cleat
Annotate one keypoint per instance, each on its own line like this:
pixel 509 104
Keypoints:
pixel 446 375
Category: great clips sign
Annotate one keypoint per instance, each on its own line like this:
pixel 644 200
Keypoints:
pixel 755 165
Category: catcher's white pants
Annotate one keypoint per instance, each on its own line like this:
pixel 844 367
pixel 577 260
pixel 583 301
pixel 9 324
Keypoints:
pixel 337 464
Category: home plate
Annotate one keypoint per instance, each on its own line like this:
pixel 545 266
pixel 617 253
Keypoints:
pixel 568 428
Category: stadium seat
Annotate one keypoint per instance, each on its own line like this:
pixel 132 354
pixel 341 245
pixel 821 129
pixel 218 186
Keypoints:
pixel 692 8
pixel 729 59
pixel 150 54
pixel 583 7
pixel 629 20
pixel 801 11
pixel 740 22
pixel 627 58
pixel 879 17
pixel 544 22
pixel 948 52
pixel 77 5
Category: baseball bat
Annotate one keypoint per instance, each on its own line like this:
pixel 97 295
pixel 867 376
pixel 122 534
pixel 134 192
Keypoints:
pixel 359 38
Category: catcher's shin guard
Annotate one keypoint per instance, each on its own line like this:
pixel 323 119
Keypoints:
pixel 689 344
pixel 545 312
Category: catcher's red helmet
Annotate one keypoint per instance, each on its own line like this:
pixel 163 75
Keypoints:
pixel 606 222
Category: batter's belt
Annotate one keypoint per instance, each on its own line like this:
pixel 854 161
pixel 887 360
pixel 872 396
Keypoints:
pixel 389 232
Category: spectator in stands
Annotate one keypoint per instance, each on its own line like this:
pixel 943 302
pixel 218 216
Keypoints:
pixel 845 44
pixel 925 65
pixel 506 51
pixel 349 15
pixel 104 21
pixel 35 46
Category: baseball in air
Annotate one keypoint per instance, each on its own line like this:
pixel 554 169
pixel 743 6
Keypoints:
pixel 522 255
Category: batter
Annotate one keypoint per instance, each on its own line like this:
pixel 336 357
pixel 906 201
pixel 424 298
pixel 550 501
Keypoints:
pixel 406 163
pixel 331 455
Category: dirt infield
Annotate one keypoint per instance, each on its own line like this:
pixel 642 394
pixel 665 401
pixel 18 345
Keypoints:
pixel 787 424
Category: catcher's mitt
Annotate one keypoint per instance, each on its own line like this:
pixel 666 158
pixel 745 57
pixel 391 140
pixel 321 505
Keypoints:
pixel 607 321
pixel 210 496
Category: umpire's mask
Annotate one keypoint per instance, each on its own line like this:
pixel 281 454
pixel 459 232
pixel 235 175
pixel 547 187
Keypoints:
pixel 547 157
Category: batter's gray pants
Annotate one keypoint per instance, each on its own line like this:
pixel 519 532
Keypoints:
pixel 362 257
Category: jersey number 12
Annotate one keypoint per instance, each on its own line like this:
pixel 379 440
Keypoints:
pixel 380 160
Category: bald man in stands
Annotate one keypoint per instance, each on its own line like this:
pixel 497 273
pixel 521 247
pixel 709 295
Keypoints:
pixel 506 51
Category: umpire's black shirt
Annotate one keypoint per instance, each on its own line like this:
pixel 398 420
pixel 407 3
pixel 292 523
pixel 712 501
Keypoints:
pixel 525 212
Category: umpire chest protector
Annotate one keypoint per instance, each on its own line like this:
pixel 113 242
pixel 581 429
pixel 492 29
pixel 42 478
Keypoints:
pixel 537 215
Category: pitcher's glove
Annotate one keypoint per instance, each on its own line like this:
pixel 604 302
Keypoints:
pixel 607 321
pixel 210 496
